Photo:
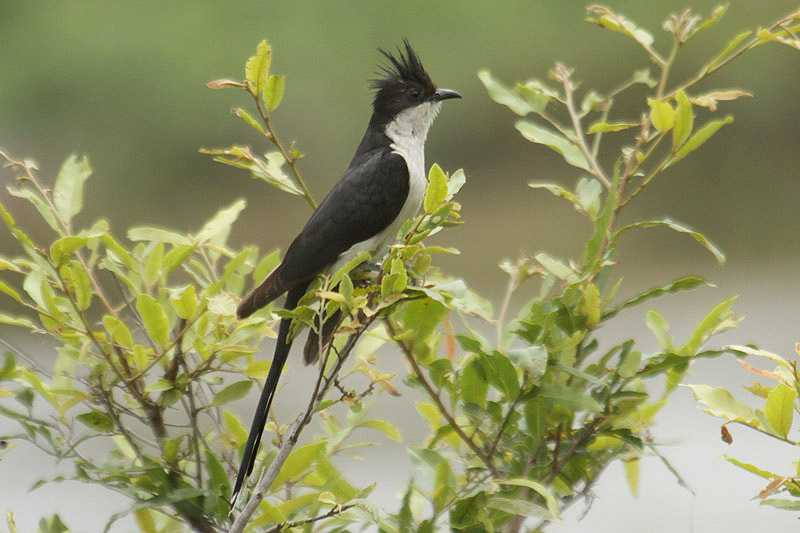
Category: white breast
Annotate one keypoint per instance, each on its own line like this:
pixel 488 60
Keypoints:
pixel 408 132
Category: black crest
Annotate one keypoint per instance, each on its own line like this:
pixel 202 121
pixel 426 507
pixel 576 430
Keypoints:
pixel 403 82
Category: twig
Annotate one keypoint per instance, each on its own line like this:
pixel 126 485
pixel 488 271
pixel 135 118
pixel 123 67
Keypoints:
pixel 419 374
pixel 321 388
pixel 291 161
pixel 284 526
pixel 569 88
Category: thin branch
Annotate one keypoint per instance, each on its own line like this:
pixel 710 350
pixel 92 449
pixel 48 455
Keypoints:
pixel 291 161
pixel 284 526
pixel 321 387
pixel 569 89
pixel 420 375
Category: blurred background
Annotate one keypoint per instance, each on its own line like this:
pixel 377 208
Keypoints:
pixel 125 84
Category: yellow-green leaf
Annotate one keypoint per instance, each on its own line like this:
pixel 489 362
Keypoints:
pixel 437 189
pixel 684 119
pixel 780 409
pixel 632 475
pixel 154 318
pixel 542 135
pixel 68 189
pixel 702 135
pixel 118 331
pixel 273 92
pixel 257 67
pixel 232 392
pixel 661 114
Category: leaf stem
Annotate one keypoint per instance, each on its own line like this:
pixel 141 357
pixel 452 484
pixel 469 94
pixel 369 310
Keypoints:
pixel 569 89
pixel 290 160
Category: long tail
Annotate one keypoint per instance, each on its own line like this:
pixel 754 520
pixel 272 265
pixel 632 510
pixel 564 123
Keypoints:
pixel 282 348
pixel 269 289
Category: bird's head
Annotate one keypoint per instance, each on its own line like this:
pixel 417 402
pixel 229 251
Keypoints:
pixel 405 94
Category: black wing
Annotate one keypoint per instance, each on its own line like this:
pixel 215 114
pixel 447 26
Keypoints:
pixel 363 203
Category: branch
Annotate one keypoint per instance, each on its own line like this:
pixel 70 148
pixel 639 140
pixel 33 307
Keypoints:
pixel 273 138
pixel 321 387
pixel 419 374
pixel 563 75
pixel 284 526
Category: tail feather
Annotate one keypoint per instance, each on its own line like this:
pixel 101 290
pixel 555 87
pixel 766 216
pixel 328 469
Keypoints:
pixel 282 348
pixel 267 291
pixel 329 326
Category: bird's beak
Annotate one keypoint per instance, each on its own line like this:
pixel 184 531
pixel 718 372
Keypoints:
pixel 445 94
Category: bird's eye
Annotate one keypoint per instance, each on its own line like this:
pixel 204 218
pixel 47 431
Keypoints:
pixel 415 93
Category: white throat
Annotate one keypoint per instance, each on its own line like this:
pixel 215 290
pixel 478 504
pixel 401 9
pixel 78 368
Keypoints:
pixel 407 132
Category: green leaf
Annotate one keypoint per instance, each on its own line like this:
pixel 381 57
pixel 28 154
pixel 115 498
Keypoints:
pixel 680 228
pixel 145 520
pixel 780 409
pixel 605 18
pixel 68 189
pixel 436 191
pixel 298 462
pixel 730 47
pixel 118 331
pixel 588 191
pixel 422 317
pixel 631 467
pixel 719 319
pixel 503 95
pixel 701 136
pixel 661 114
pixel 184 301
pixel 384 427
pixel 722 404
pixel 556 267
pixel 234 426
pixel 557 190
pixel 605 127
pixel 16 321
pixel 266 265
pixel 684 119
pixel 221 221
pixel 273 93
pixel 97 421
pixel 658 325
pixel 542 135
pixel 232 392
pixel 61 248
pixel 77 281
pixel 547 494
pixel 750 468
pixel 455 182
pixel 473 384
pixel 532 359
pixel 10 291
pixel 569 397
pixel 468 511
pixel 684 284
pixel 781 503
pixel 154 318
pixel 257 67
pixel 444 486
pixel 602 224
pixel 501 374
pixel 157 235
pixel 520 507
pixel 47 214
pixel 249 120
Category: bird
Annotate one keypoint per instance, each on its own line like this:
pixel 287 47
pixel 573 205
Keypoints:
pixel 382 187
